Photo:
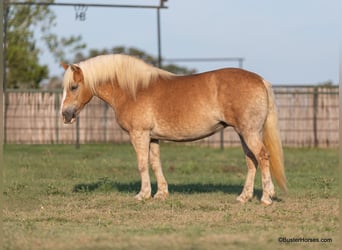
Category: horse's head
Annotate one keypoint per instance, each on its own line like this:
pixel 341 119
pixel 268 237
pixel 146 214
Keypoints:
pixel 75 94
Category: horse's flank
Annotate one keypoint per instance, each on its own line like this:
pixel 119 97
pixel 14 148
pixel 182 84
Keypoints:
pixel 129 72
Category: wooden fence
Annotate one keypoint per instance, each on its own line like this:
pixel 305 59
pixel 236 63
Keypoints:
pixel 308 117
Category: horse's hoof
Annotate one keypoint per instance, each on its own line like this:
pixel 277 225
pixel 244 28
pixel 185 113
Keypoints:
pixel 161 195
pixel 243 199
pixel 141 197
pixel 266 201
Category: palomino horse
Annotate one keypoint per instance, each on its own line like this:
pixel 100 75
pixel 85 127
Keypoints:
pixel 151 104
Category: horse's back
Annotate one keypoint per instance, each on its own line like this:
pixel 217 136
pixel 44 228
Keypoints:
pixel 194 106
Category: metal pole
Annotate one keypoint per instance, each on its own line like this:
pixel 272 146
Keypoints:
pixel 240 63
pixel 208 59
pixel 4 42
pixel 2 7
pixel 340 116
pixel 159 39
pixel 4 24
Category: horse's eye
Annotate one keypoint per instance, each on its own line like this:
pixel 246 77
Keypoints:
pixel 73 87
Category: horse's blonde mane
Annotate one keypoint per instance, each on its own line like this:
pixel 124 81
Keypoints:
pixel 129 72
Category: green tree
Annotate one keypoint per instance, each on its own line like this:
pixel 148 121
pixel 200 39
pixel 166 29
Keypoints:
pixel 137 53
pixel 23 69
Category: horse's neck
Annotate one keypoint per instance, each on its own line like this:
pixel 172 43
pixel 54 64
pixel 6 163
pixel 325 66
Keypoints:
pixel 111 94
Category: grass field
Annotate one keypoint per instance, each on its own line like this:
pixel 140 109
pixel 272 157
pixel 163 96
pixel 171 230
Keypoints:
pixel 57 197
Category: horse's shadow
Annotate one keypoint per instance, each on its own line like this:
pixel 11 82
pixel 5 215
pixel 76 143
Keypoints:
pixel 106 185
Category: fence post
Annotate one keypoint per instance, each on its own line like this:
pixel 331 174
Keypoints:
pixel 105 121
pixel 77 133
pixel 6 101
pixel 222 139
pixel 315 111
pixel 57 107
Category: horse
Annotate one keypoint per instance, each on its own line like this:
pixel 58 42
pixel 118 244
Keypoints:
pixel 151 105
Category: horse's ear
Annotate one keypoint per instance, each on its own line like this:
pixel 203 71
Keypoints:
pixel 64 65
pixel 75 68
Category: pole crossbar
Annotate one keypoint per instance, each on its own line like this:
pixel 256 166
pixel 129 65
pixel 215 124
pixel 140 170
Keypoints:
pixel 204 59
pixel 91 5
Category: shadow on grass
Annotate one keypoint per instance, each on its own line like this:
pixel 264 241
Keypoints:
pixel 106 185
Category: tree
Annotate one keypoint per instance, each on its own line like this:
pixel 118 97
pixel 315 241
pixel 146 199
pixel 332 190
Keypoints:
pixel 22 58
pixel 137 53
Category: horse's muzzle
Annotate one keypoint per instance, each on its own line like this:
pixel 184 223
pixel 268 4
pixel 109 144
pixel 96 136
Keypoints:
pixel 69 115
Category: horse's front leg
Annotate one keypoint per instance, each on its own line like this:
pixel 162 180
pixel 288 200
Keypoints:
pixel 162 192
pixel 141 143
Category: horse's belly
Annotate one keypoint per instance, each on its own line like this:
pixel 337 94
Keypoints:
pixel 185 132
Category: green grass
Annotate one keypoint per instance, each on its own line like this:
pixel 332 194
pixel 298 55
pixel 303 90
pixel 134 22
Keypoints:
pixel 57 197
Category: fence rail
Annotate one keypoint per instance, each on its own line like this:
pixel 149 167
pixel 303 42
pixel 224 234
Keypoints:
pixel 308 117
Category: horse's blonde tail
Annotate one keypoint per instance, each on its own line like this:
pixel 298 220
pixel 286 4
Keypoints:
pixel 272 141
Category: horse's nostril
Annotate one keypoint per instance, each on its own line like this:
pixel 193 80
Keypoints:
pixel 69 114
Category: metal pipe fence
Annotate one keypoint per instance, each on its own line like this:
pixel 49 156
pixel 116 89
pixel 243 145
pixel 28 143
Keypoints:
pixel 308 117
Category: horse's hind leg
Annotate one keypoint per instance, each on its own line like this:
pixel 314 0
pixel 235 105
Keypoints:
pixel 247 192
pixel 162 192
pixel 267 184
pixel 258 155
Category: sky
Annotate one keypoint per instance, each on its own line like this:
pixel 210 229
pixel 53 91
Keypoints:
pixel 286 42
